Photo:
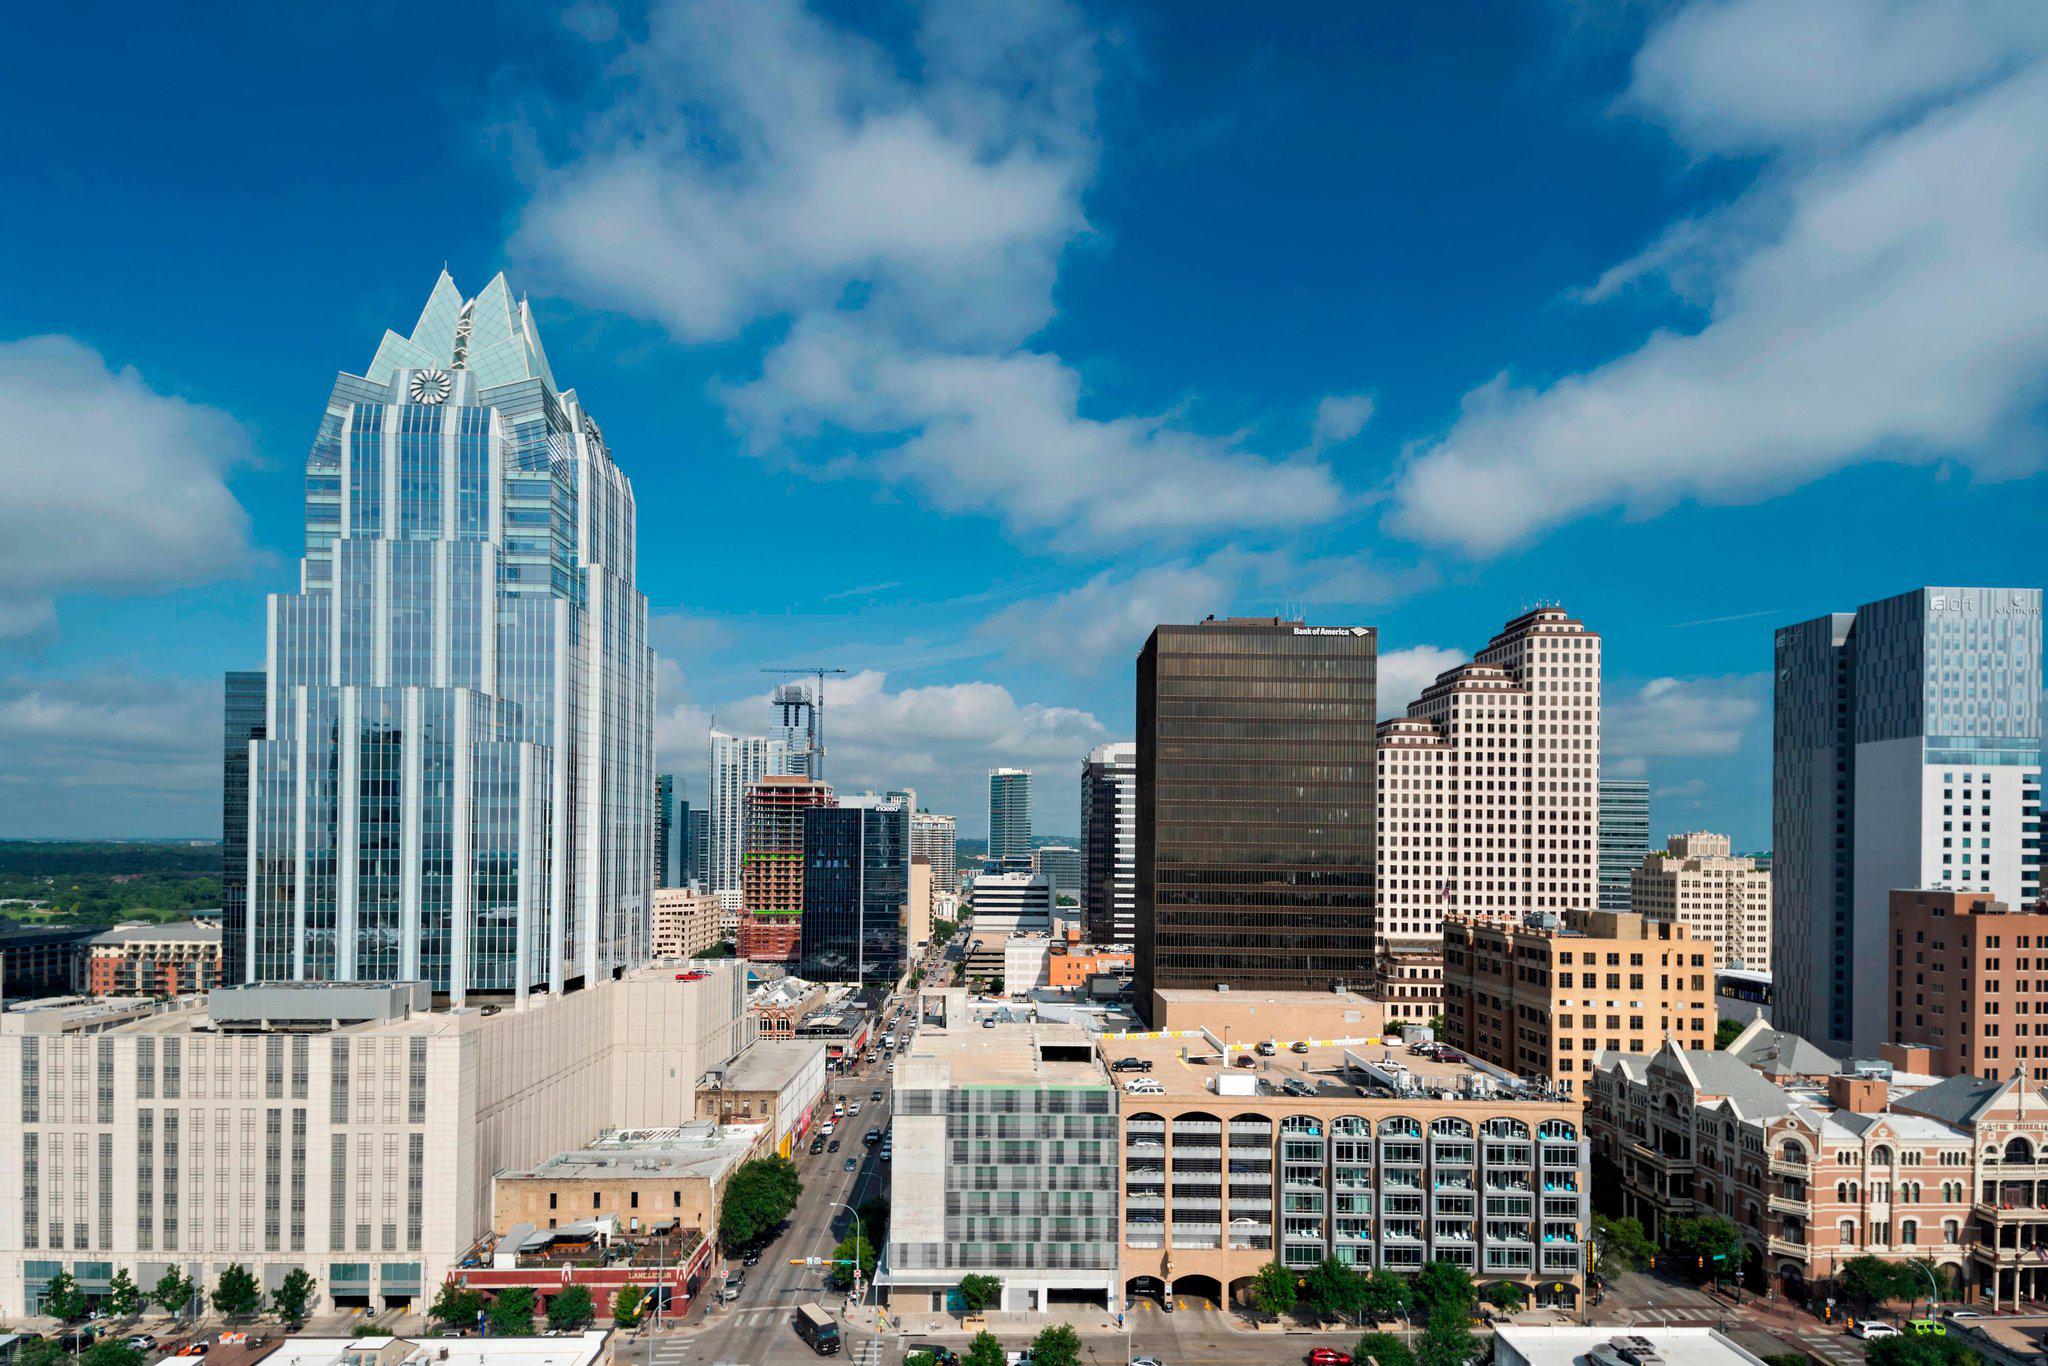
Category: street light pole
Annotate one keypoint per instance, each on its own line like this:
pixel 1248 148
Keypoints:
pixel 858 1239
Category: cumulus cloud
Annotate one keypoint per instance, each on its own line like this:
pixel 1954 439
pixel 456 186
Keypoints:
pixel 1679 717
pixel 1879 293
pixel 1405 672
pixel 753 161
pixel 111 485
pixel 109 753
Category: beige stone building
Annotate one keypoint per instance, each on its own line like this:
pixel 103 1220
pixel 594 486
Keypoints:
pixel 1488 789
pixel 685 922
pixel 917 911
pixel 1723 898
pixel 646 1179
pixel 345 1129
pixel 1542 997
pixel 1412 985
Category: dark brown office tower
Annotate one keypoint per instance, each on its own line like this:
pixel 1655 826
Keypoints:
pixel 1255 807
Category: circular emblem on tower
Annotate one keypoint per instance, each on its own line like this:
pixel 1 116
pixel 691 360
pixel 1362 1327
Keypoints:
pixel 431 386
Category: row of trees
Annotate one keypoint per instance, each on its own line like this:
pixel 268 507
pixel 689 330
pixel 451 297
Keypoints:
pixel 1442 1295
pixel 510 1313
pixel 1058 1345
pixel 236 1295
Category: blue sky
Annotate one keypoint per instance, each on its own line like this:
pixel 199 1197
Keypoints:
pixel 958 345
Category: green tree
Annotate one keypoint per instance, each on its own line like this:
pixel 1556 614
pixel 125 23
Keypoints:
pixel 874 1218
pixel 979 1292
pixel 41 1352
pixel 1447 1340
pixel 1384 1348
pixel 570 1310
pixel 1912 1351
pixel 1386 1295
pixel 173 1291
pixel 1056 1345
pixel 1440 1284
pixel 1334 1290
pixel 1506 1295
pixel 1725 1032
pixel 759 1196
pixel 111 1352
pixel 237 1294
pixel 511 1313
pixel 626 1307
pixel 124 1297
pixel 1707 1246
pixel 63 1300
pixel 1872 1280
pixel 986 1350
pixel 1622 1244
pixel 1273 1291
pixel 293 1296
pixel 840 1277
pixel 457 1306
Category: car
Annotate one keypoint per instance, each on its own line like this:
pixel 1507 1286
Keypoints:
pixel 817 1145
pixel 1131 1065
pixel 1328 1356
pixel 1298 1046
pixel 885 1155
pixel 1926 1328
pixel 1147 1361
pixel 874 1095
pixel 1266 1050
pixel 1875 1328
pixel 827 1130
pixel 851 1163
pixel 871 1137
pixel 940 1355
pixel 753 1257
pixel 1964 1315
pixel 833 1146
pixel 142 1342
pixel 853 1109
pixel 1247 1060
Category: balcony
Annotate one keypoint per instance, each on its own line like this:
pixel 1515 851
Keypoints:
pixel 1786 1247
pixel 2010 1213
pixel 1785 1204
pixel 1780 1167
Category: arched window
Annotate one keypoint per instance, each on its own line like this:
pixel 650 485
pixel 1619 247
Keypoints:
pixel 1909 1232
pixel 1793 1151
pixel 1509 1128
pixel 1842 1195
pixel 1847 1233
pixel 2019 1150
pixel 1881 1156
pixel 1950 1230
pixel 1556 1130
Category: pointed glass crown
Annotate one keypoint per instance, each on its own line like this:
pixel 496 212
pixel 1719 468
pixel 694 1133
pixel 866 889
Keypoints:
pixel 490 336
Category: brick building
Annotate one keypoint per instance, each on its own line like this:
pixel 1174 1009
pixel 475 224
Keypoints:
pixel 1964 968
pixel 772 866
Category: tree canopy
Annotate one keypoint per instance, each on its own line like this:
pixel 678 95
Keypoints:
pixel 457 1306
pixel 570 1310
pixel 1872 1280
pixel 1056 1345
pixel 63 1300
pixel 1273 1290
pixel 626 1306
pixel 293 1296
pixel 511 1312
pixel 1915 1351
pixel 979 1292
pixel 1386 1295
pixel 1622 1244
pixel 1710 1245
pixel 759 1196
pixel 1442 1283
pixel 1447 1339
pixel 173 1291
pixel 124 1297
pixel 237 1294
pixel 986 1350
pixel 1334 1290
pixel 850 1249
pixel 1384 1348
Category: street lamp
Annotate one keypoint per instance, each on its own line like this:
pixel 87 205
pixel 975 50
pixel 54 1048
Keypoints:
pixel 858 1239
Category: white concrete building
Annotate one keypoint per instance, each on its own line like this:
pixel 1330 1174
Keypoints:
pixel 737 763
pixel 1489 786
pixel 685 922
pixel 342 1128
pixel 1109 843
pixel 1721 897
pixel 935 838
pixel 1011 903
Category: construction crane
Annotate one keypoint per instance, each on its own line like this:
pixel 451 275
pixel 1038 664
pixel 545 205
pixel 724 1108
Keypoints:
pixel 790 698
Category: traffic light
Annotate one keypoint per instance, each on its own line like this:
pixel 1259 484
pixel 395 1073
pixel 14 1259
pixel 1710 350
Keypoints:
pixel 1702 1262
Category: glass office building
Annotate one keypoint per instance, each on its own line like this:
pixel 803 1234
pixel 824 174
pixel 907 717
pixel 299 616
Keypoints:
pixel 1624 835
pixel 242 722
pixel 856 889
pixel 456 778
pixel 1009 819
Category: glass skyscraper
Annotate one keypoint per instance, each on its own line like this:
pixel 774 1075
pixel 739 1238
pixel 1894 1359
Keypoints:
pixel 1906 753
pixel 243 698
pixel 1624 837
pixel 856 887
pixel 457 777
pixel 1009 818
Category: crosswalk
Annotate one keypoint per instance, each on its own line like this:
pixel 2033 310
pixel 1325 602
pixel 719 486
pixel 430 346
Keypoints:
pixel 868 1353
pixel 671 1351
pixel 1829 1347
pixel 1674 1316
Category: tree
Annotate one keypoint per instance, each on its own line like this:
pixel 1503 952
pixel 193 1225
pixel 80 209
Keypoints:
pixel 41 1352
pixel 237 1294
pixel 1912 1351
pixel 293 1296
pixel 1725 1032
pixel 1273 1290
pixel 1506 1295
pixel 1441 1284
pixel 1709 1245
pixel 855 1247
pixel 1622 1244
pixel 570 1310
pixel 979 1292
pixel 986 1350
pixel 1872 1280
pixel 173 1291
pixel 111 1352
pixel 63 1300
pixel 511 1312
pixel 124 1298
pixel 874 1218
pixel 457 1306
pixel 1384 1348
pixel 1448 1340
pixel 1385 1295
pixel 759 1196
pixel 1056 1345
pixel 626 1307
pixel 1334 1290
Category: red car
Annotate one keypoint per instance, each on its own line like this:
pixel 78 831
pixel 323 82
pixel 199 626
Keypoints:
pixel 1328 1356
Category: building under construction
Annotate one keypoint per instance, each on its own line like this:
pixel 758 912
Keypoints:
pixel 772 866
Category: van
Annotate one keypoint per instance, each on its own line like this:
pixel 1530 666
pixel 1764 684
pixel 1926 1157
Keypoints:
pixel 816 1327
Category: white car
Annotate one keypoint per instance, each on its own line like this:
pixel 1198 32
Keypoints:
pixel 1144 1086
pixel 1875 1328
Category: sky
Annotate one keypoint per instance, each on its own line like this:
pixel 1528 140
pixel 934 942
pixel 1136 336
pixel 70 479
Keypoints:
pixel 957 345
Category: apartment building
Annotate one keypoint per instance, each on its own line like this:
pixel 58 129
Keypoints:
pixel 1964 969
pixel 1818 1161
pixel 772 866
pixel 1379 1156
pixel 1723 898
pixel 685 922
pixel 1489 786
pixel 1542 997
pixel 1006 1164
pixel 1412 985
pixel 153 960
pixel 340 1128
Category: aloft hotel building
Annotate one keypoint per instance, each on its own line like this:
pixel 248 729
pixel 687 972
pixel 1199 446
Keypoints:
pixel 456 779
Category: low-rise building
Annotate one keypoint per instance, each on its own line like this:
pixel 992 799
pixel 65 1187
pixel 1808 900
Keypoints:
pixel 1070 967
pixel 591 1347
pixel 1722 897
pixel 685 922
pixel 1542 997
pixel 153 960
pixel 1281 1016
pixel 1545 1344
pixel 38 961
pixel 1005 1164
pixel 1379 1156
pixel 782 1004
pixel 778 1083
pixel 844 1028
pixel 1412 984
pixel 1024 963
pixel 1963 972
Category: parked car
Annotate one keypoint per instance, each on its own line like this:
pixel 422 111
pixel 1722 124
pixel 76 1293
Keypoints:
pixel 1131 1065
pixel 851 1164
pixel 1247 1060
pixel 142 1342
pixel 1875 1328
pixel 872 1137
pixel 753 1257
pixel 1267 1049
pixel 1963 1315
pixel 818 1145
pixel 874 1095
pixel 1328 1356
pixel 1926 1328
pixel 1147 1361
pixel 1298 1046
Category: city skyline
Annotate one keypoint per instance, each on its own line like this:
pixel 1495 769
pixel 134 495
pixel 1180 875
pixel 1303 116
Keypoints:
pixel 1435 255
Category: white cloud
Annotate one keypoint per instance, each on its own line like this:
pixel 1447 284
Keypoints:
pixel 111 486
pixel 756 162
pixel 1405 672
pixel 1339 418
pixel 1679 717
pixel 109 754
pixel 1882 299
